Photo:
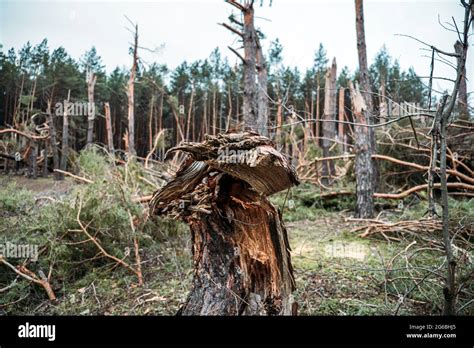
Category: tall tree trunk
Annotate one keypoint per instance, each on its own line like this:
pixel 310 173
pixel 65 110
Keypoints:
pixel 150 122
pixel 91 79
pixel 363 168
pixel 108 127
pixel 369 148
pixel 190 112
pixel 33 157
pixel 250 66
pixel 241 255
pixel 262 115
pixel 342 111
pixel 65 141
pixel 329 124
pixel 54 141
pixel 463 106
pixel 131 97
pixel 214 110
pixel 318 115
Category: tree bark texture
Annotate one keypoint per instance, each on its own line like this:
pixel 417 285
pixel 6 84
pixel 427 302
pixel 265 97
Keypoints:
pixel 91 80
pixel 329 124
pixel 250 68
pixel 363 160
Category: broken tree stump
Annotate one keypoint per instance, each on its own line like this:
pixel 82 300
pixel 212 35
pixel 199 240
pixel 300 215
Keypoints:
pixel 241 254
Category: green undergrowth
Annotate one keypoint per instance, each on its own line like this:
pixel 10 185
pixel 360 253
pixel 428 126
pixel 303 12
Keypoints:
pixel 337 272
pixel 83 278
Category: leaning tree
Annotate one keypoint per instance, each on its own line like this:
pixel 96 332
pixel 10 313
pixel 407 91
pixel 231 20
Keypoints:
pixel 241 254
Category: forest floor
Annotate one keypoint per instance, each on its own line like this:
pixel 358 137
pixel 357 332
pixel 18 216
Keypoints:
pixel 337 272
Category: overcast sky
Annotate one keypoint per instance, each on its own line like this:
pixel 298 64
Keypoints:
pixel 189 31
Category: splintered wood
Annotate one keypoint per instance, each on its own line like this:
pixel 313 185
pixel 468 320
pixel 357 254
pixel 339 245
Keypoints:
pixel 240 247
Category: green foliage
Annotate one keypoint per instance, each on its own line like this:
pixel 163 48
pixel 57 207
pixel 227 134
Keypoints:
pixel 105 208
pixel 14 200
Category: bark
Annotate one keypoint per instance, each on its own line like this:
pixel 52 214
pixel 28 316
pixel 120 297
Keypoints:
pixel 279 116
pixel 131 98
pixel 262 117
pixel 33 156
pixel 450 288
pixel 342 111
pixel 250 55
pixel 241 255
pixel 54 142
pixel 91 80
pixel 383 101
pixel 316 130
pixel 463 105
pixel 363 161
pixel 362 54
pixel 108 127
pixel 65 141
pixel 150 122
pixel 367 135
pixel 435 132
pixel 329 128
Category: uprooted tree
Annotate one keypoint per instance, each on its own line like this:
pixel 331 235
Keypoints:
pixel 241 254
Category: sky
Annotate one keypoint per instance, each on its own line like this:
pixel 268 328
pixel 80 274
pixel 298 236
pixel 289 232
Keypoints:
pixel 188 30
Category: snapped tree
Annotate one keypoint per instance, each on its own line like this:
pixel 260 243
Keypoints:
pixel 241 254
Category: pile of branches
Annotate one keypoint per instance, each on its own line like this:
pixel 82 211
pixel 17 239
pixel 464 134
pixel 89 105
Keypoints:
pixel 403 157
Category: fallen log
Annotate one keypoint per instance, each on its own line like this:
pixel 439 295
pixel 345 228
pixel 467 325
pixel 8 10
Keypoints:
pixel 400 162
pixel 405 193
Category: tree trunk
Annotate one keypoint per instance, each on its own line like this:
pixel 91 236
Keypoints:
pixel 108 127
pixel 241 255
pixel 329 124
pixel 91 80
pixel 250 54
pixel 150 122
pixel 54 142
pixel 363 168
pixel 33 156
pixel 450 288
pixel 463 106
pixel 342 110
pixel 131 97
pixel 262 118
pixel 366 187
pixel 65 141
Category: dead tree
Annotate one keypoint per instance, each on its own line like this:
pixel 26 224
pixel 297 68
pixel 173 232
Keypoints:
pixel 329 116
pixel 462 95
pixel 367 184
pixel 65 142
pixel 91 79
pixel 108 127
pixel 53 142
pixel 241 254
pixel 363 159
pixel 246 31
pixel 262 100
pixel 131 95
pixel 439 134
